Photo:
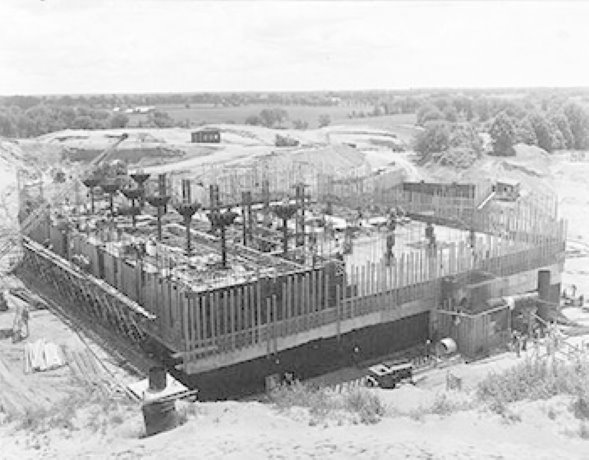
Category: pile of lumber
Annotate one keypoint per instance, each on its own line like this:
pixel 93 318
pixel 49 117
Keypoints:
pixel 42 356
pixel 87 369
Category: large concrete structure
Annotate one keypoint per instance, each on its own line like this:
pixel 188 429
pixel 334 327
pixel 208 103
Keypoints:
pixel 224 330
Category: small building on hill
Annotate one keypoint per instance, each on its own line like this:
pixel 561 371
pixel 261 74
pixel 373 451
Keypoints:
pixel 212 135
pixel 507 189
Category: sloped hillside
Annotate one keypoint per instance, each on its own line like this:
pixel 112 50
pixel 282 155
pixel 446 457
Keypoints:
pixel 11 160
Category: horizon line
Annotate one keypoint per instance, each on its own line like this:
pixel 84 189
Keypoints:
pixel 300 91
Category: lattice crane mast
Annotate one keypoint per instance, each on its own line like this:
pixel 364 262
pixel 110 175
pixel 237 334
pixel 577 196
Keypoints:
pixel 40 213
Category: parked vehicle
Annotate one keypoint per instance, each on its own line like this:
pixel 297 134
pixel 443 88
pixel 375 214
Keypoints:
pixel 390 375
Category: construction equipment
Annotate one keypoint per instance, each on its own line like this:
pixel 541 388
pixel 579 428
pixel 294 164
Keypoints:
pixel 40 213
pixel 570 297
pixel 389 375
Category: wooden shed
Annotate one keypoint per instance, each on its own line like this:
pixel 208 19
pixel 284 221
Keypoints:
pixel 209 135
pixel 507 189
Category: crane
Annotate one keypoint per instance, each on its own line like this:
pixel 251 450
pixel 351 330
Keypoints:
pixel 40 213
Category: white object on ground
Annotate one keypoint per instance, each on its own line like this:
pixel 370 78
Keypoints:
pixel 141 389
pixel 42 356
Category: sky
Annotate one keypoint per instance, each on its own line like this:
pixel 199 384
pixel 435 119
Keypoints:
pixel 136 46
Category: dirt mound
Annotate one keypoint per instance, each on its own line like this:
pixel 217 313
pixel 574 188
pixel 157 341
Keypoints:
pixel 456 157
pixel 11 160
pixel 330 159
pixel 508 166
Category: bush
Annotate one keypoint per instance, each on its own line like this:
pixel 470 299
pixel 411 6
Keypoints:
pixel 323 403
pixel 324 120
pixel 366 404
pixel 253 120
pixel 538 379
pixel 285 141
pixel 580 407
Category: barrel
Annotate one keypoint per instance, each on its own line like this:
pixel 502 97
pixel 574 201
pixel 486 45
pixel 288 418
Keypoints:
pixel 546 310
pixel 159 416
pixel 157 379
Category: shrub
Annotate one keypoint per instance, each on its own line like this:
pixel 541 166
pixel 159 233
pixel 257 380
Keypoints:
pixel 323 403
pixel 580 407
pixel 537 379
pixel 366 404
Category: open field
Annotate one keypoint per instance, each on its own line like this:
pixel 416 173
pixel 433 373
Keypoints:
pixel 208 114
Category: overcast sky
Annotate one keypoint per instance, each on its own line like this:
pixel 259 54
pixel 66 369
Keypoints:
pixel 95 46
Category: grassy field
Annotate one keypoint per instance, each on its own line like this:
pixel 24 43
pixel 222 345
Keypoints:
pixel 203 114
pixel 402 125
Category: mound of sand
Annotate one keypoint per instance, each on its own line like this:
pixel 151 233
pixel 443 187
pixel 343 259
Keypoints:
pixel 11 160
pixel 328 159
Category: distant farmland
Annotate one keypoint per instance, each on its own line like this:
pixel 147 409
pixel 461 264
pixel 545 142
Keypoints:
pixel 402 125
pixel 204 114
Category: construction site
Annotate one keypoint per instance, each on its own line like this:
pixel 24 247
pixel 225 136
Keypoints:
pixel 239 273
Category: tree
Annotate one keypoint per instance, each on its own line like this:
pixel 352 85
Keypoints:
pixel 579 124
pixel 300 124
pixel 502 132
pixel 83 122
pixel 451 114
pixel 558 140
pixel 560 120
pixel 160 119
pixel 464 135
pixel 253 120
pixel 7 127
pixel 273 117
pixel 324 120
pixel 434 138
pixel 442 103
pixel 524 132
pixel 481 108
pixel 119 120
pixel 428 113
pixel 543 131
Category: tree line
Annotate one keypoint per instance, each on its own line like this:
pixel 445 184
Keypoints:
pixel 277 117
pixel 46 118
pixel 552 122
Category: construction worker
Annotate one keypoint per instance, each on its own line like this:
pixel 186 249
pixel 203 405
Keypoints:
pixel 356 355
pixel 472 239
pixel 20 324
pixel 390 245
pixel 515 341
pixel 428 345
pixel 430 236
pixel 524 341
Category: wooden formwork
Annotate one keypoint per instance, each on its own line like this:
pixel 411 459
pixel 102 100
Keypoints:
pixel 251 316
pixel 262 313
pixel 270 314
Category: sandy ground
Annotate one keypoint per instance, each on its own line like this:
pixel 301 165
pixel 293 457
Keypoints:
pixel 252 430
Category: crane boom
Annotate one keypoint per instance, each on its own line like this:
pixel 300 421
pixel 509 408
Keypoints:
pixel 40 213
